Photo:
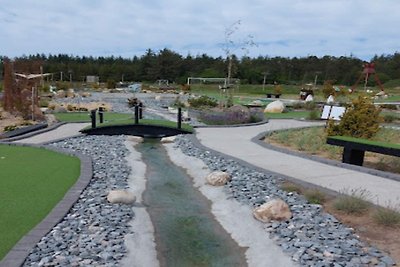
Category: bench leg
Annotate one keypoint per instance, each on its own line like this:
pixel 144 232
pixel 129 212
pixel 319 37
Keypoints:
pixel 353 156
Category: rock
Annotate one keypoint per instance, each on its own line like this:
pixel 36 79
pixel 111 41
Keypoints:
pixel 135 139
pixel 275 209
pixel 218 178
pixel 60 94
pixel 256 103
pixel 121 196
pixel 157 97
pixel 330 99
pixel 309 98
pixel 71 93
pixel 169 139
pixel 275 107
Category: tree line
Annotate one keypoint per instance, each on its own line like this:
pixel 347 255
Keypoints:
pixel 167 64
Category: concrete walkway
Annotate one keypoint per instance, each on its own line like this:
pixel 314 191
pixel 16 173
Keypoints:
pixel 64 131
pixel 237 143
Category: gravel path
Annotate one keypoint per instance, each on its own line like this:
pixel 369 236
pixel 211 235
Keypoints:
pixel 94 233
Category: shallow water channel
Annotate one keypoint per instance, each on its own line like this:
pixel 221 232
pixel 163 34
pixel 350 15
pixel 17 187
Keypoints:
pixel 186 232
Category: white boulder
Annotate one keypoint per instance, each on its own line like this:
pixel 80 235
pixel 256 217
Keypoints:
pixel 275 209
pixel 330 99
pixel 121 196
pixel 218 178
pixel 169 139
pixel 309 98
pixel 275 107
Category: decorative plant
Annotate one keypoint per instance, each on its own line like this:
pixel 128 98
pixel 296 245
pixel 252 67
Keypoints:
pixel 361 119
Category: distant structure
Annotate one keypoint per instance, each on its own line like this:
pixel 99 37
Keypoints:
pixel 21 88
pixel 92 79
pixel 369 69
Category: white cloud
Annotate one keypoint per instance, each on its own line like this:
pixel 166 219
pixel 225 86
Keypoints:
pixel 127 28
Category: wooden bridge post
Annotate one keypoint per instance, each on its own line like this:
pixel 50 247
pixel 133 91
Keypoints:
pixel 179 118
pixel 136 114
pixel 93 117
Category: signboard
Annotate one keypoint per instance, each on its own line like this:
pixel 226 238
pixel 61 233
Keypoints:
pixel 332 112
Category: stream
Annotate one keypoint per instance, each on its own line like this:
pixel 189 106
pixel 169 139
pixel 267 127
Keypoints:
pixel 186 232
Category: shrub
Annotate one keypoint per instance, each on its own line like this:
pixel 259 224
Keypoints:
pixel 328 89
pixel 388 216
pixel 315 196
pixel 202 101
pixel 10 128
pixel 361 119
pixel 313 115
pixel 311 105
pixel 354 202
pixel 290 187
pixel 388 118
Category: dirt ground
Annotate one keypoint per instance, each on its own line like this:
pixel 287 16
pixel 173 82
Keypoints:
pixel 383 237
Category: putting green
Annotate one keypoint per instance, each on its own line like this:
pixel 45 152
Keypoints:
pixel 32 182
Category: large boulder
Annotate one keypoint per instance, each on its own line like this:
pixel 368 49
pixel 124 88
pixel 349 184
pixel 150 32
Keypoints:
pixel 121 196
pixel 218 178
pixel 330 99
pixel 275 209
pixel 275 107
pixel 309 98
pixel 169 139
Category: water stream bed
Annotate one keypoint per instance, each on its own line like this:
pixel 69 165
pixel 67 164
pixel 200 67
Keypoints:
pixel 186 232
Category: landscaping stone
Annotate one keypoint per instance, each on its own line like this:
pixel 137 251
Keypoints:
pixel 169 139
pixel 275 209
pixel 218 178
pixel 275 107
pixel 121 196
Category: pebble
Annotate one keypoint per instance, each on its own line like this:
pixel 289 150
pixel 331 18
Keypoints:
pixel 92 233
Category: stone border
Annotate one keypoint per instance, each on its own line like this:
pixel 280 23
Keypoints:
pixel 17 255
pixel 258 140
pixel 233 125
pixel 27 135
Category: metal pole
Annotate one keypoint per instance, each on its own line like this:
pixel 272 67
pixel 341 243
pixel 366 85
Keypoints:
pixel 136 114
pixel 140 110
pixel 179 118
pixel 101 114
pixel 93 117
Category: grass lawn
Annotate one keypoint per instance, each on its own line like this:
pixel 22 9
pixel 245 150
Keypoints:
pixel 288 115
pixel 85 117
pixel 32 182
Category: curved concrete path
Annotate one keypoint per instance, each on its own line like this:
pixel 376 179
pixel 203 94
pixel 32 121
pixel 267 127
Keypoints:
pixel 237 142
pixel 64 131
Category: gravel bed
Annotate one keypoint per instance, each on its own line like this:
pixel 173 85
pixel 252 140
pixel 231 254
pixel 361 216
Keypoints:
pixel 92 233
pixel 312 237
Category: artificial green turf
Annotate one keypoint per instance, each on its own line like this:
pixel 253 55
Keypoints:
pixel 288 115
pixel 32 182
pixel 85 116
pixel 366 141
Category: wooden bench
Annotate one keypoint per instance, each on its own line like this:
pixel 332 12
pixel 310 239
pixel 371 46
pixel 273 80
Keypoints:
pixel 354 148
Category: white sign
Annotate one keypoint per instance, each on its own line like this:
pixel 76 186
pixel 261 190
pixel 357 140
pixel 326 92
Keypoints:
pixel 332 112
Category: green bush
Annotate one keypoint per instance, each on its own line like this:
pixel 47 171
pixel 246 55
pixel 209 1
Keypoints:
pixel 388 216
pixel 353 202
pixel 290 187
pixel 388 118
pixel 361 119
pixel 315 196
pixel 313 115
pixel 202 101
pixel 328 89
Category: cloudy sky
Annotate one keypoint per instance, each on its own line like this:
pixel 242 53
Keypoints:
pixel 126 28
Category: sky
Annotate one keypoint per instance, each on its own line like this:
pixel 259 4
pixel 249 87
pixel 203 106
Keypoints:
pixel 286 28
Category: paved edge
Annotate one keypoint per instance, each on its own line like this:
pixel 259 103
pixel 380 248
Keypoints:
pixel 276 175
pixel 17 255
pixel 233 125
pixel 258 140
pixel 30 134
